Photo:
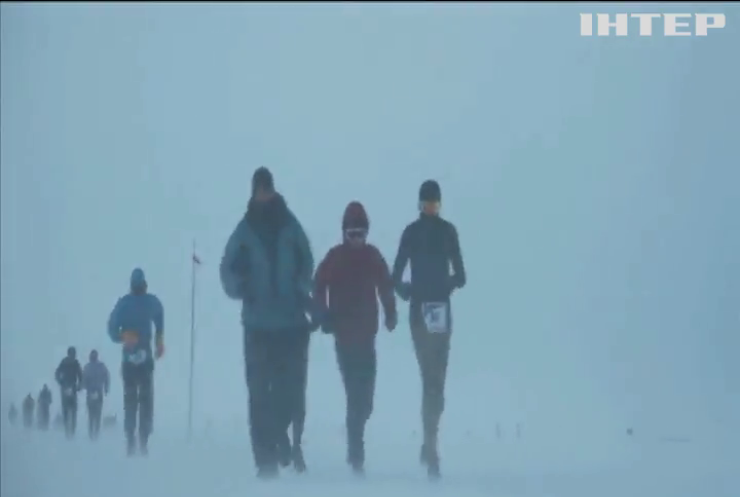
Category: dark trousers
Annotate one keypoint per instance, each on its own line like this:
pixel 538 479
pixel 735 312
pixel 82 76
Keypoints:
pixel 28 419
pixel 43 417
pixel 432 354
pixel 69 411
pixel 358 366
pixel 276 365
pixel 94 413
pixel 138 398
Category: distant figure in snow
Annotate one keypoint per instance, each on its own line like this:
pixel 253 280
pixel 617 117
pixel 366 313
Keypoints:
pixel 130 324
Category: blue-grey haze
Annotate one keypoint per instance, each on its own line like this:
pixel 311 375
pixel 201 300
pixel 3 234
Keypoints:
pixel 594 183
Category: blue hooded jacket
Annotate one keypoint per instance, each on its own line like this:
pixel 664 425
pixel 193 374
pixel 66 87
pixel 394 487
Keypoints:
pixel 268 265
pixel 137 311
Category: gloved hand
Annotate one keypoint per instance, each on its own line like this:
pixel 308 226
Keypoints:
pixel 159 348
pixel 391 321
pixel 327 324
pixel 404 291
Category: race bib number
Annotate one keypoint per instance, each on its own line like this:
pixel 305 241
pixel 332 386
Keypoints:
pixel 94 396
pixel 68 392
pixel 435 316
pixel 138 357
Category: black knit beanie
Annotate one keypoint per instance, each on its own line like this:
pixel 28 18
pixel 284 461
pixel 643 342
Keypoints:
pixel 430 192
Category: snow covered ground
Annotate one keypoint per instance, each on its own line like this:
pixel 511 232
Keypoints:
pixel 45 465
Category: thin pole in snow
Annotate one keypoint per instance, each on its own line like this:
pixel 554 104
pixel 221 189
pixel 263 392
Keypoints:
pixel 194 262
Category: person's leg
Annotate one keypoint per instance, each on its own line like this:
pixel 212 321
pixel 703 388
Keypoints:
pixel 90 417
pixel 146 403
pixel 130 404
pixel 358 367
pixel 299 414
pixel 288 384
pixel 257 359
pixel 432 352
pixel 98 415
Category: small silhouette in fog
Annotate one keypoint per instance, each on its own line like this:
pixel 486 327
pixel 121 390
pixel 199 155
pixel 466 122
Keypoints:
pixel 44 406
pixel 12 414
pixel 28 406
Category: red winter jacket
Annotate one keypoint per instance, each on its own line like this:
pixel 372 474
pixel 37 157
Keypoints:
pixel 352 277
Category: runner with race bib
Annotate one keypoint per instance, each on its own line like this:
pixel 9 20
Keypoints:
pixel 96 381
pixel 430 244
pixel 130 324
pixel 69 378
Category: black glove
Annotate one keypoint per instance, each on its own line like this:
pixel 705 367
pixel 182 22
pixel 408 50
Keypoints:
pixel 404 291
pixel 327 323
pixel 391 321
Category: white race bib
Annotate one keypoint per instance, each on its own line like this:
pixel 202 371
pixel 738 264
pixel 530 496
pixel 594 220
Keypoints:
pixel 68 392
pixel 138 357
pixel 94 395
pixel 435 316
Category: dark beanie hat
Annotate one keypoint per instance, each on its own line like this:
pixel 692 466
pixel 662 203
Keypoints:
pixel 430 191
pixel 262 179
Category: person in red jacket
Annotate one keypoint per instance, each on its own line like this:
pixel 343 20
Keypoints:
pixel 347 283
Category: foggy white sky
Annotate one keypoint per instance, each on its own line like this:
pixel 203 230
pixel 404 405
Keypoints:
pixel 594 184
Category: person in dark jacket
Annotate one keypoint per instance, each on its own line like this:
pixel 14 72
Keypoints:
pixel 13 414
pixel 352 275
pixel 69 378
pixel 130 324
pixel 96 381
pixel 28 406
pixel 268 265
pixel 430 244
pixel 43 416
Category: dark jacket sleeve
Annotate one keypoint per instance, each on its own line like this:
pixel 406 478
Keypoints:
pixel 306 256
pixel 322 281
pixel 78 373
pixel 384 283
pixel 402 258
pixel 458 266
pixel 234 264
pixel 58 373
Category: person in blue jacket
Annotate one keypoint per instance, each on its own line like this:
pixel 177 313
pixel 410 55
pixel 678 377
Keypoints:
pixel 130 324
pixel 268 266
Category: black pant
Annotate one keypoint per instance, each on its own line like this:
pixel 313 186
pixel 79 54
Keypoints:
pixel 69 410
pixel 276 377
pixel 138 397
pixel 94 413
pixel 43 417
pixel 432 354
pixel 358 365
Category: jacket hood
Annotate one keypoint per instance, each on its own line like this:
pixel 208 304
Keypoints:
pixel 138 279
pixel 355 216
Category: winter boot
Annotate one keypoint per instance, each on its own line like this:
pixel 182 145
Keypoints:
pixel 130 446
pixel 356 455
pixel 268 471
pixel 144 445
pixel 284 450
pixel 299 463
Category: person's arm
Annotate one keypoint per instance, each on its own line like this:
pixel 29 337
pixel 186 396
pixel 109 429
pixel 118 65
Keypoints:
pixel 458 266
pixel 399 265
pixel 234 265
pixel 384 283
pixel 158 319
pixel 59 373
pixel 107 379
pixel 78 375
pixel 114 324
pixel 305 254
pixel 322 283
